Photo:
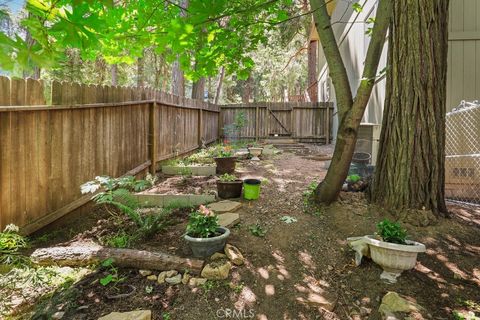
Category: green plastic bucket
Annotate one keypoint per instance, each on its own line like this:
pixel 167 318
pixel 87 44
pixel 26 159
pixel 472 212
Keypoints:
pixel 251 189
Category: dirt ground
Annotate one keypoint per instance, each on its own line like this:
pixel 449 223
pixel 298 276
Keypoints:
pixel 295 263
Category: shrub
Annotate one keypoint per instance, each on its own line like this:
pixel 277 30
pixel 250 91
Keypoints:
pixel 225 152
pixel 391 232
pixel 117 192
pixel 10 244
pixel 203 223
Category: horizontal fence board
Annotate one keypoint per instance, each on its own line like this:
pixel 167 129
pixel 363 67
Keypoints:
pixel 48 151
pixel 295 119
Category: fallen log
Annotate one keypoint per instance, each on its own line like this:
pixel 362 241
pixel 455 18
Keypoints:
pixel 128 258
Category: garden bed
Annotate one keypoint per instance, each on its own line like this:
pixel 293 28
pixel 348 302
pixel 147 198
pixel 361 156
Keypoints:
pixel 295 253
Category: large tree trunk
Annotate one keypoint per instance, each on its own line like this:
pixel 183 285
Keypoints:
pixel 114 73
pixel 140 73
pixel 140 259
pixel 247 89
pixel 410 166
pixel 350 111
pixel 198 89
pixel 218 91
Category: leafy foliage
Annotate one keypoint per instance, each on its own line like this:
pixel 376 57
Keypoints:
pixel 225 152
pixel 203 36
pixel 10 245
pixel 391 232
pixel 288 219
pixel 203 223
pixel 227 177
pixel 257 230
pixel 112 275
pixel 118 193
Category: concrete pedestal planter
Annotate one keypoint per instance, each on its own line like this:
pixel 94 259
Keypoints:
pixel 394 258
pixel 205 247
pixel 255 152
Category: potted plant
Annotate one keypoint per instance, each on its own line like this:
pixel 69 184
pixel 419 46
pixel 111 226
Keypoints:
pixel 225 160
pixel 204 235
pixel 229 186
pixel 392 251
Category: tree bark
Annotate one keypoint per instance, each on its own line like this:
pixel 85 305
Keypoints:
pixel 410 166
pixel 140 73
pixel 128 258
pixel 114 73
pixel 247 89
pixel 218 92
pixel 350 111
pixel 198 89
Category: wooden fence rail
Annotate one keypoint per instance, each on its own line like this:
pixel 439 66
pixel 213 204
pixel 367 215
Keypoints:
pixel 305 121
pixel 48 151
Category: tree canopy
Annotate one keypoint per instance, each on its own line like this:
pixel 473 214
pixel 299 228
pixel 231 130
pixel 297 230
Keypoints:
pixel 203 35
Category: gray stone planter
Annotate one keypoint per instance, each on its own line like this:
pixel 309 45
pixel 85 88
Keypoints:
pixel 205 247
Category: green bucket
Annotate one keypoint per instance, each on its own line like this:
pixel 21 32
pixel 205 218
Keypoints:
pixel 251 189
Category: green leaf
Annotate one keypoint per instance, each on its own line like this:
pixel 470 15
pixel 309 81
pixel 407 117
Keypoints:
pixel 106 280
pixel 357 7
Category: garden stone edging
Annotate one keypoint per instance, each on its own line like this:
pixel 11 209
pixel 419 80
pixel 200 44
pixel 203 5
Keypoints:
pixel 162 200
pixel 193 170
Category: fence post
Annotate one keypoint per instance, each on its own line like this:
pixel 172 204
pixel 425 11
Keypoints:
pixel 153 135
pixel 257 121
pixel 219 121
pixel 200 125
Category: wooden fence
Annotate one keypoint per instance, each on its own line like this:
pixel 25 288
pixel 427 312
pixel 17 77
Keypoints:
pixel 48 151
pixel 305 121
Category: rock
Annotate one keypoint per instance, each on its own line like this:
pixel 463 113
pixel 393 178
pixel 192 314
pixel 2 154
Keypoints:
pixel 161 277
pixel 186 277
pixel 58 315
pixel 392 303
pixel 171 273
pixel 174 280
pixel 217 270
pixel 225 206
pixel 325 300
pixel 228 219
pixel 234 255
pixel 152 277
pixel 218 256
pixel 195 282
pixel 145 273
pixel 132 315
pixel 364 311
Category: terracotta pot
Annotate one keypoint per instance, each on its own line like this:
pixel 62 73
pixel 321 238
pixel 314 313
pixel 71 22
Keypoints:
pixel 225 165
pixel 229 189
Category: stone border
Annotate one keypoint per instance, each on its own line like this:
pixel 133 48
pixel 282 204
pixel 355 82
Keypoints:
pixel 193 170
pixel 161 200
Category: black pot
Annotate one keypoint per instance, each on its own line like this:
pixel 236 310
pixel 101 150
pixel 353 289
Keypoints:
pixel 230 189
pixel 225 165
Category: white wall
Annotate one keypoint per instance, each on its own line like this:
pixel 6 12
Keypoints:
pixel 350 30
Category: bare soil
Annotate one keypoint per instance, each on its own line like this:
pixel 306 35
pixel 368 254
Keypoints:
pixel 297 263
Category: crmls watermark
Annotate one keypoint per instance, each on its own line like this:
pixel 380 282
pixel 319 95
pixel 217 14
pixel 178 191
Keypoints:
pixel 235 314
